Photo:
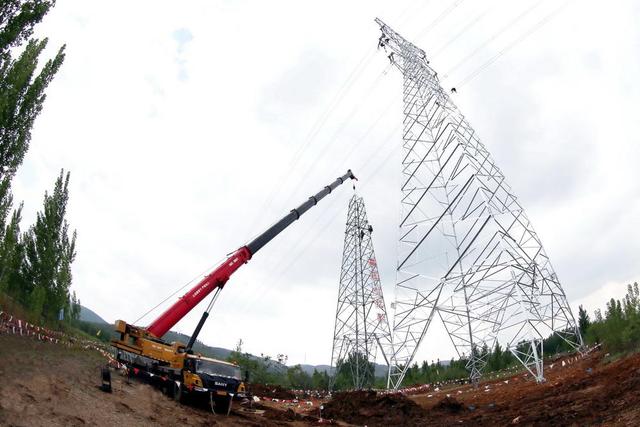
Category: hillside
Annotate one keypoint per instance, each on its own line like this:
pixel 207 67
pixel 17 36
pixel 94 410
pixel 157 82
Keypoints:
pixel 88 315
pixel 380 370
pixel 198 347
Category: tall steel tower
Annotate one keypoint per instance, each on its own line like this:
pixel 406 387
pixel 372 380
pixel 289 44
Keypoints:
pixel 467 252
pixel 361 324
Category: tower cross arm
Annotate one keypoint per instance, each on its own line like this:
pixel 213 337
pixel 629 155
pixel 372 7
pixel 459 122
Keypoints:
pixel 396 42
pixel 407 56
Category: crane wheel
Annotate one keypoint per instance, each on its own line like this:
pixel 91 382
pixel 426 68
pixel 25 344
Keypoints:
pixel 220 405
pixel 105 374
pixel 178 395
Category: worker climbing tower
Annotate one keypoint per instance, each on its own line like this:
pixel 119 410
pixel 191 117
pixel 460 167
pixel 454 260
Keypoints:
pixel 467 252
pixel 361 324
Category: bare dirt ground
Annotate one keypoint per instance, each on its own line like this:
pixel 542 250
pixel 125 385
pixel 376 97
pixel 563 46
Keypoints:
pixel 44 384
pixel 47 384
pixel 588 391
pixel 591 391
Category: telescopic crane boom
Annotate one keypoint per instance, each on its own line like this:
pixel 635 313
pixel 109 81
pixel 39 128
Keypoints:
pixel 147 341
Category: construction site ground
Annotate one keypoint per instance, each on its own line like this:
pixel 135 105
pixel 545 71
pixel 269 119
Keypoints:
pixel 48 384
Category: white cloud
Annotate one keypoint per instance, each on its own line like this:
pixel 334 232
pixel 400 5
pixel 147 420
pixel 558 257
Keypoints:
pixel 170 173
pixel 598 299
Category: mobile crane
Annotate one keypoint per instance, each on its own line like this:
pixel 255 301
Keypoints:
pixel 182 373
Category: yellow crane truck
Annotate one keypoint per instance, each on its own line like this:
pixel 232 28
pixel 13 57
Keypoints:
pixel 173 366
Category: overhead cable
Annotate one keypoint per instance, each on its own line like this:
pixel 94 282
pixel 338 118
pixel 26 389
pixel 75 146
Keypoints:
pixel 492 38
pixel 518 40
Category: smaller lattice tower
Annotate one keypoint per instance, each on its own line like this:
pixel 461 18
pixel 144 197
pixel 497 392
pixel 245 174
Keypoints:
pixel 361 324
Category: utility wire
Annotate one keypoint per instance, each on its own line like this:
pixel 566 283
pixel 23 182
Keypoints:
pixel 352 114
pixel 518 40
pixel 405 15
pixel 321 230
pixel 314 131
pixel 422 5
pixel 439 19
pixel 343 163
pixel 336 133
pixel 222 259
pixel 355 146
pixel 492 38
pixel 277 271
pixel 462 31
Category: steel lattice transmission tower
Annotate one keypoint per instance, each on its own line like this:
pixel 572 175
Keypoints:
pixel 467 252
pixel 361 324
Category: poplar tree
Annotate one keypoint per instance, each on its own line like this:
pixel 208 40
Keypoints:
pixel 583 320
pixel 22 94
pixel 49 250
pixel 11 256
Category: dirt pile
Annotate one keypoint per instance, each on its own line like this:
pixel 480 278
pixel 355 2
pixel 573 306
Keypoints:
pixel 590 391
pixel 287 415
pixel 449 404
pixel 367 407
pixel 272 391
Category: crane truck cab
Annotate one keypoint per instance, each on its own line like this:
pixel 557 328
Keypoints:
pixel 176 370
pixel 215 381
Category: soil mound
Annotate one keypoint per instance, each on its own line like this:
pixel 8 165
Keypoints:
pixel 272 391
pixel 449 404
pixel 366 407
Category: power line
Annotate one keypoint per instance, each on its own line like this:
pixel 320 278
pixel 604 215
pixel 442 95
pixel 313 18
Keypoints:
pixel 277 271
pixel 333 139
pixel 337 132
pixel 364 136
pixel 518 40
pixel 492 38
pixel 423 5
pixel 402 18
pixel 462 31
pixel 439 18
pixel 313 132
pixel 343 163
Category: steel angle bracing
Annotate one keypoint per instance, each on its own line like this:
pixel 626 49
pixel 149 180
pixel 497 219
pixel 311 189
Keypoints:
pixel 466 249
pixel 361 323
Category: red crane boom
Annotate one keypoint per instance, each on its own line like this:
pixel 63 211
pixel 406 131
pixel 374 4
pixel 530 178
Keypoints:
pixel 218 277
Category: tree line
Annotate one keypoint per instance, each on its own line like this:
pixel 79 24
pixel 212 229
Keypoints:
pixel 273 371
pixel 35 263
pixel 617 330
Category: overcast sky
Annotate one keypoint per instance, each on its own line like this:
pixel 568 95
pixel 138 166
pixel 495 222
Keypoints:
pixel 189 127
